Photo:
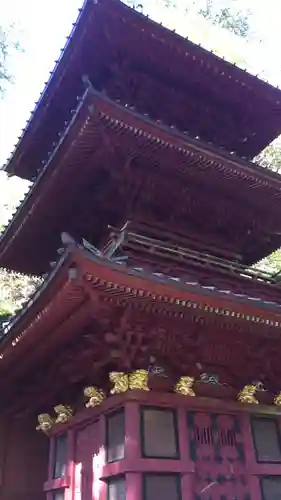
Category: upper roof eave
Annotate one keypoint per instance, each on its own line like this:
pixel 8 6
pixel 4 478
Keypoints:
pixel 46 96
pixel 13 167
pixel 132 122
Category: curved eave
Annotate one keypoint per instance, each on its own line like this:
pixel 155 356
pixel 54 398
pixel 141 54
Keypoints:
pixel 128 286
pixel 137 283
pixel 48 95
pixel 58 298
pixel 260 94
pixel 192 158
pixel 40 190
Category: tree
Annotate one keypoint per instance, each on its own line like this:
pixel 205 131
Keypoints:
pixel 15 290
pixel 270 157
pixel 229 17
pixel 226 14
pixel 7 45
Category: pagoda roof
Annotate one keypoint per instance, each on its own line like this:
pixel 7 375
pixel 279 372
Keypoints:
pixel 116 280
pixel 108 154
pixel 83 289
pixel 159 72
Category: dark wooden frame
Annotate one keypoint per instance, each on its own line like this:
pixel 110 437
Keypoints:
pixel 265 419
pixel 176 475
pixel 174 412
pixel 261 478
pixel 57 491
pixel 111 479
pixel 107 417
pixel 54 451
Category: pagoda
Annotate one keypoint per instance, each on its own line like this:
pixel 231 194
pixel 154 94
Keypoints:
pixel 146 365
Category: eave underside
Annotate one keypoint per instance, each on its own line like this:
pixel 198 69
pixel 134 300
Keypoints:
pixel 159 73
pixel 104 317
pixel 116 161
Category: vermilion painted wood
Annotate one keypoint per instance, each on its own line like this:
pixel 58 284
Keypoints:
pixel 91 423
pixel 164 399
pixel 133 486
pixel 24 460
pixel 56 484
pixel 184 436
pixel 164 289
pixel 132 431
pixel 70 464
pixel 186 486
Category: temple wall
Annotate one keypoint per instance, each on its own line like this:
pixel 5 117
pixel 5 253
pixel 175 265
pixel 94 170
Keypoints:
pixel 150 446
pixel 23 460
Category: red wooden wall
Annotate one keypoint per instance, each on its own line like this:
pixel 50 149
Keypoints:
pixel 23 460
pixel 150 446
pixel 143 447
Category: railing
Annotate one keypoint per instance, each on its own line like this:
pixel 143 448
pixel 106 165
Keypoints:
pixel 133 241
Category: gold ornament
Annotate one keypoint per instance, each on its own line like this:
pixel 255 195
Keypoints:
pixel 184 386
pixel 247 395
pixel 96 396
pixel 120 381
pixel 64 413
pixel 45 421
pixel 139 380
pixel 277 399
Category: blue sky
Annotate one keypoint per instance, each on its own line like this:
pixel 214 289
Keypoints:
pixel 43 27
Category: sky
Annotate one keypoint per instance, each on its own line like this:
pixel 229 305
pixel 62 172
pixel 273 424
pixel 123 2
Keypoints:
pixel 42 27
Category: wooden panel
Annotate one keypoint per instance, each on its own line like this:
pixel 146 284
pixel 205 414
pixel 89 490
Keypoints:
pixel 23 460
pixel 159 433
pixel 60 456
pixel 217 449
pixel 271 487
pixel 58 495
pixel 164 486
pixel 266 440
pixel 116 489
pixel 115 435
pixel 86 449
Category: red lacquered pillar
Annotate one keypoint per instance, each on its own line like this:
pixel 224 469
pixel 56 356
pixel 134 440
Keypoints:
pixel 102 455
pixel 132 450
pixel 188 466
pixel 254 483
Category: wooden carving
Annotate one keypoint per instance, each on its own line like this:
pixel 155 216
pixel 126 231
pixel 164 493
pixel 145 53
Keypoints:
pixel 247 395
pixel 64 413
pixel 45 421
pixel 139 380
pixel 120 381
pixel 184 386
pixel 277 399
pixel 95 396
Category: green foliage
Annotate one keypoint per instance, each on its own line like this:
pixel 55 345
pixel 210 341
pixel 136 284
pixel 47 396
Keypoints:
pixel 270 157
pixel 15 290
pixel 230 18
pixel 225 14
pixel 8 44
